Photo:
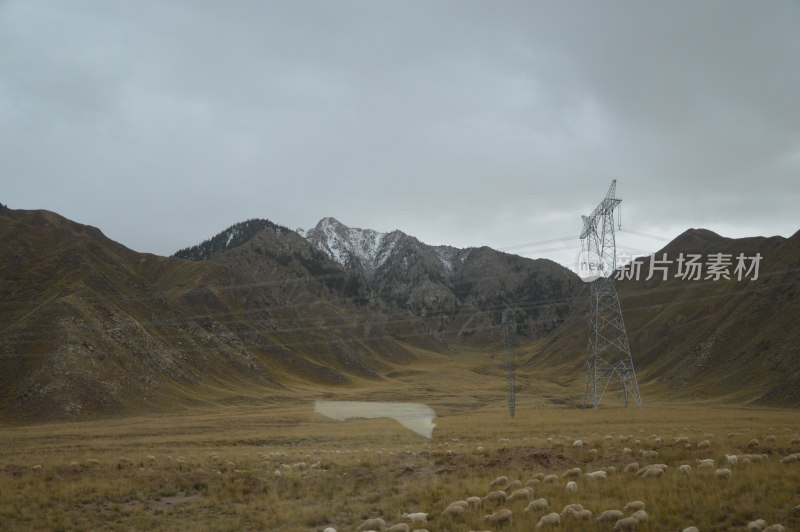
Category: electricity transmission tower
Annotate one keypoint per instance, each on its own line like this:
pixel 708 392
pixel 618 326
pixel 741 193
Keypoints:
pixel 609 353
pixel 509 341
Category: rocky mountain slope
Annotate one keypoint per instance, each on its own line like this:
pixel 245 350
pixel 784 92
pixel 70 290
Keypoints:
pixel 90 326
pixel 460 292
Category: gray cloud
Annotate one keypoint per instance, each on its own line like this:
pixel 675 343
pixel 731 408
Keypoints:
pixel 459 122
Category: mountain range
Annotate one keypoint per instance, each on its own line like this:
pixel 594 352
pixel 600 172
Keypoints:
pixel 259 310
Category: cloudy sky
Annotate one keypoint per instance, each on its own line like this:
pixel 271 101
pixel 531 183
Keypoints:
pixel 462 123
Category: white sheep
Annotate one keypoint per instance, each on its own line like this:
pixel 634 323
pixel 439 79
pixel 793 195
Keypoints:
pixel 522 494
pixel 627 451
pixel 648 454
pixel 723 473
pixel 551 519
pixel 374 523
pixel 707 463
pixel 633 467
pixel 756 526
pixel 571 486
pixel 495 496
pixel 691 529
pixel 651 472
pixel 500 518
pixel 610 470
pixel 573 472
pixel 791 458
pixel 641 516
pixel 775 528
pixel 551 479
pixel 537 505
pixel 474 502
pixel 705 444
pixel 329 529
pixel 37 467
pixel 611 516
pixel 634 506
pixel 596 475
pixel 513 485
pixel 685 469
pixel 626 524
pixel 499 481
pixel 462 504
pixel 571 509
pixel 399 527
pixel 453 512
pixel 577 444
pixel 416 517
pixel 582 515
pixel 731 459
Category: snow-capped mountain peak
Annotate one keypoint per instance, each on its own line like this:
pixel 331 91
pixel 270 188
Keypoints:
pixel 353 247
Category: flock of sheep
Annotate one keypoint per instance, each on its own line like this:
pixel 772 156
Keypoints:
pixel 503 493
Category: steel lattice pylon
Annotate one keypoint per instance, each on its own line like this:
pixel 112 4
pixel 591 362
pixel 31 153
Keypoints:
pixel 609 353
pixel 509 341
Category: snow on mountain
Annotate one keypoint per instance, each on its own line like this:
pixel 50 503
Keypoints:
pixel 352 247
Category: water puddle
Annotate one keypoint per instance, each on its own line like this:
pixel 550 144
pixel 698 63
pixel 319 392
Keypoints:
pixel 416 417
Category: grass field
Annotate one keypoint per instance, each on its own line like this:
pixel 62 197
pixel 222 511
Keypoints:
pixel 213 468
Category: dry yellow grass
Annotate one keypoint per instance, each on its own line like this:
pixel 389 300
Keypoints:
pixel 214 468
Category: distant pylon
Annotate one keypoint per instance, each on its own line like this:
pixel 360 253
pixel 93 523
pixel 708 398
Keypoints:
pixel 609 353
pixel 509 341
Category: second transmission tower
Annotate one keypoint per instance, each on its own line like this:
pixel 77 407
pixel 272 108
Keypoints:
pixel 509 341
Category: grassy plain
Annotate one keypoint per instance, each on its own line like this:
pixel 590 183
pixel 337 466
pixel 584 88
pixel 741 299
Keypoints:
pixel 213 467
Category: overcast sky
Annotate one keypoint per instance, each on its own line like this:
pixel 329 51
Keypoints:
pixel 462 123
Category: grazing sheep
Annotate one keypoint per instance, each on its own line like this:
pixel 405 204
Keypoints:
pixel 538 476
pixel 752 444
pixel 648 454
pixel 417 517
pixel 627 451
pixel 37 467
pixel 513 485
pixel 574 472
pixel 420 530
pixel 632 467
pixel 399 527
pixel 626 524
pixel 522 494
pixel 374 523
pixel 551 519
pixel 681 440
pixel 577 444
pixel 500 518
pixel 775 528
pixel 329 529
pixel 495 497
pixel 705 444
pixel 596 475
pixel 756 526
pixel 453 512
pixel 592 454
pixel 634 506
pixel 571 486
pixel 462 504
pixel 582 515
pixel 551 479
pixel 685 469
pixel 610 470
pixel 691 529
pixel 611 516
pixel 533 482
pixel 537 506
pixel 794 457
pixel 731 459
pixel 571 509
pixel 641 516
pixel 708 463
pixel 474 502
pixel 723 473
pixel 499 481
pixel 651 472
